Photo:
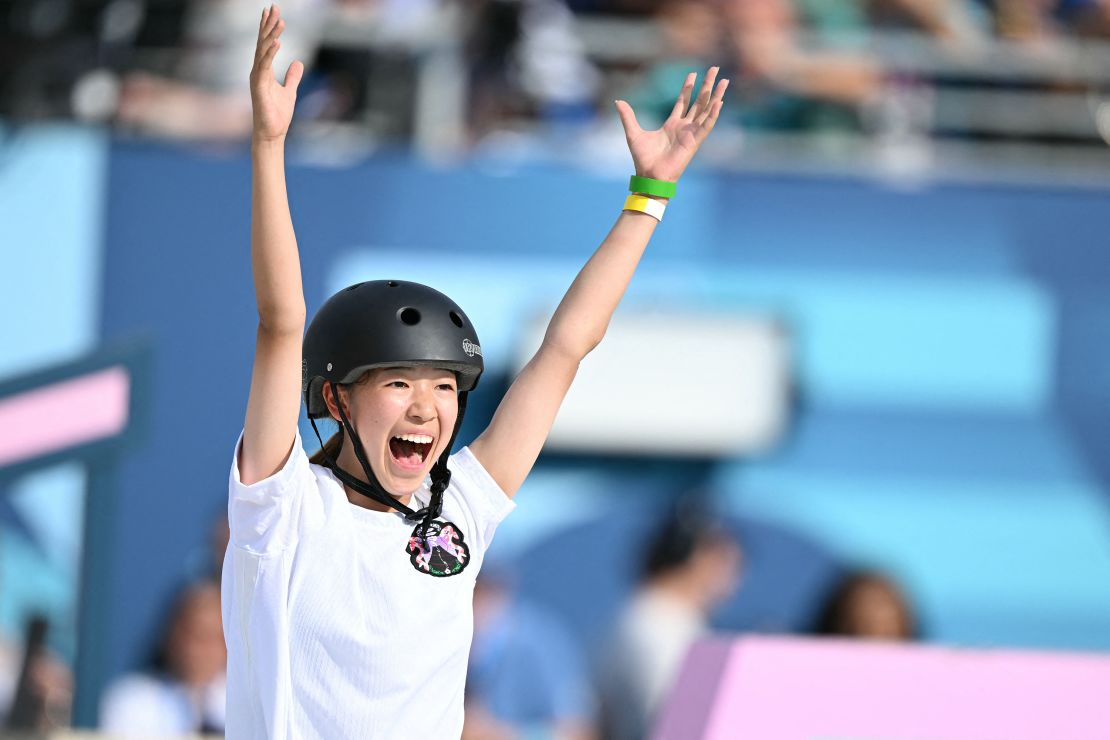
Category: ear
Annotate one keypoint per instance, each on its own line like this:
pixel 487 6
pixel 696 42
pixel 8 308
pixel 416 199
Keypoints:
pixel 331 399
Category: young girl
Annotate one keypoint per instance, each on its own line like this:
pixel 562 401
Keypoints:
pixel 348 584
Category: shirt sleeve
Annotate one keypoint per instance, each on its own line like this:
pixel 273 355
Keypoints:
pixel 266 516
pixel 480 494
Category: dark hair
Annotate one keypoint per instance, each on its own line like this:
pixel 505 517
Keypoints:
pixel 331 448
pixel 831 619
pixel 687 526
pixel 329 451
pixel 158 658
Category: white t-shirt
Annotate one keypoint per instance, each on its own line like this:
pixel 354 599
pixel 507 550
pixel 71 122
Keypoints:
pixel 653 636
pixel 140 704
pixel 334 626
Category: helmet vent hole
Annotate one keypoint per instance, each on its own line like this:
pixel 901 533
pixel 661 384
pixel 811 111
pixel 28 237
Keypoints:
pixel 409 316
pixel 391 283
pixel 455 319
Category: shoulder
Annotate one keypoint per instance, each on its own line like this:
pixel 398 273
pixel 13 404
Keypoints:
pixel 271 514
pixel 473 483
pixel 473 500
pixel 468 468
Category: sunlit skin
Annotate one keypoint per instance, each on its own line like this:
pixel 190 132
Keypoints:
pixel 509 446
pixel 389 402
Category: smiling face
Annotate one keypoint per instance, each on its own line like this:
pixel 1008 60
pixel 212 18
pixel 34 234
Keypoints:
pixel 404 417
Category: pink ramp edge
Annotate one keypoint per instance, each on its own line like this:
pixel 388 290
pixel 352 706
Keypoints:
pixel 64 415
pixel 774 688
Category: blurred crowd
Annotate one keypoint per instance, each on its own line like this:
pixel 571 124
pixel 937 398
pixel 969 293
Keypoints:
pixel 530 675
pixel 178 68
pixel 403 68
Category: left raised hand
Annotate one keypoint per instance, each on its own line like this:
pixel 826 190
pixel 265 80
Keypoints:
pixel 664 153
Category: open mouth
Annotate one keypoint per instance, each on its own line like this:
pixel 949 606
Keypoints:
pixel 410 450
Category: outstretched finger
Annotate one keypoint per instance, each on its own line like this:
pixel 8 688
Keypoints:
pixel 267 60
pixel 266 45
pixel 701 104
pixel 714 104
pixel 628 119
pixel 293 75
pixel 273 21
pixel 270 22
pixel 710 120
pixel 679 109
pixel 260 43
pixel 273 31
pixel 270 18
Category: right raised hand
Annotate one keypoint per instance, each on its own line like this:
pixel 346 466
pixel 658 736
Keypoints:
pixel 272 101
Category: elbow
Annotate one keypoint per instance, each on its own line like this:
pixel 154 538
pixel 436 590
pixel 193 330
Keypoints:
pixel 282 320
pixel 574 348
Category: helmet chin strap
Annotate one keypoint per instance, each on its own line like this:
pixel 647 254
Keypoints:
pixel 371 488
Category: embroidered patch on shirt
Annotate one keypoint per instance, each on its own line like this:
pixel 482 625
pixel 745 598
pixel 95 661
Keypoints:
pixel 440 552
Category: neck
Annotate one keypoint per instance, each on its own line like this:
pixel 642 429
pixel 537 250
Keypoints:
pixel 681 586
pixel 366 502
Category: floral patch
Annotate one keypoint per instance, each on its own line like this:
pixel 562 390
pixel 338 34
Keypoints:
pixel 440 551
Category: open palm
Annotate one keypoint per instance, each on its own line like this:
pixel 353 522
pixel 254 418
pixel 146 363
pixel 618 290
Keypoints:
pixel 272 101
pixel 664 153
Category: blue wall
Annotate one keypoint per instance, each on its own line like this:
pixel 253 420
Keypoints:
pixel 52 200
pixel 952 370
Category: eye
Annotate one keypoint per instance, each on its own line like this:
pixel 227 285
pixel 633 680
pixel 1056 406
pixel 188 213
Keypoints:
pixel 446 387
pixel 397 384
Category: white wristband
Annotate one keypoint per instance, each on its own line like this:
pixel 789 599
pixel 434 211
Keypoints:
pixel 643 204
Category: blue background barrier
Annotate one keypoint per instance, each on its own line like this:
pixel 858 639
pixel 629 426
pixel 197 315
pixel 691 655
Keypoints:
pixel 952 370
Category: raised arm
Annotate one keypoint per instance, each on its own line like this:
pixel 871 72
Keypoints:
pixel 510 445
pixel 273 406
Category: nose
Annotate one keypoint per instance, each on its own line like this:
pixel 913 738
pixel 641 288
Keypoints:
pixel 422 408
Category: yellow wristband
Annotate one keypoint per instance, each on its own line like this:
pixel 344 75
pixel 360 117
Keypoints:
pixel 643 204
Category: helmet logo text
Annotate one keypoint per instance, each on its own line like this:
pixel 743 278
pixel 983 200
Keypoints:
pixel 471 349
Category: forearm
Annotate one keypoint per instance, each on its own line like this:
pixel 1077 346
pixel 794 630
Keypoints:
pixel 510 445
pixel 583 315
pixel 274 259
pixel 833 76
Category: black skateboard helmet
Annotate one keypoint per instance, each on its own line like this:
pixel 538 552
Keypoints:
pixel 386 323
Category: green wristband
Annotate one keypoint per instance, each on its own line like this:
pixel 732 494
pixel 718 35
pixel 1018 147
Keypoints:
pixel 647 186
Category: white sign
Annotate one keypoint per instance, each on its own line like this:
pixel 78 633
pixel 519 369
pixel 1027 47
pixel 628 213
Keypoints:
pixel 676 384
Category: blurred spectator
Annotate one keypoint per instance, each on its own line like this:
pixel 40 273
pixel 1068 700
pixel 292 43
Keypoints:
pixel 869 605
pixel 691 565
pixel 1024 20
pixel 693 39
pixel 184 689
pixel 776 83
pixel 206 95
pixel 527 677
pixel 218 538
pixel 1041 21
pixel 36 688
pixel 525 59
pixel 803 88
pixel 952 21
pixel 615 7
pixel 1088 18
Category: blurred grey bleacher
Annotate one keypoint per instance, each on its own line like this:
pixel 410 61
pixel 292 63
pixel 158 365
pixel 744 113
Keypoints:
pixel 980 103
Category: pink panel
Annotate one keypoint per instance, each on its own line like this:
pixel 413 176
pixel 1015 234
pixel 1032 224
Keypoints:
pixel 64 415
pixel 772 688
